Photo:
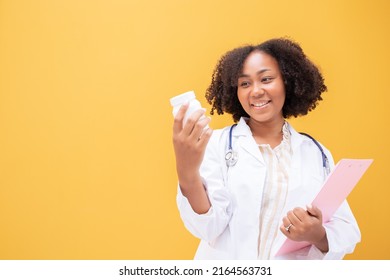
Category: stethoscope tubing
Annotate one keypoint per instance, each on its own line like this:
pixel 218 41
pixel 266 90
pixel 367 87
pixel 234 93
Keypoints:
pixel 231 155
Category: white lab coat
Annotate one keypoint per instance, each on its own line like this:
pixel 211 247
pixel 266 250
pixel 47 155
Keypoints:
pixel 230 229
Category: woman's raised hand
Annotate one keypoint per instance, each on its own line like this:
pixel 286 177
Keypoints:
pixel 190 140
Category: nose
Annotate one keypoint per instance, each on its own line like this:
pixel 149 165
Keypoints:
pixel 257 89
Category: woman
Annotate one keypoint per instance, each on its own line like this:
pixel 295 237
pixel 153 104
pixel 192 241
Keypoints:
pixel 246 208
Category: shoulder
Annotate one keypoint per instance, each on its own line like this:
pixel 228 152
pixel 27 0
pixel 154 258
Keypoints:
pixel 304 138
pixel 309 144
pixel 233 130
pixel 219 135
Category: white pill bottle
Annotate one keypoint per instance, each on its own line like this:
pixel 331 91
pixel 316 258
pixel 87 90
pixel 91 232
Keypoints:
pixel 181 99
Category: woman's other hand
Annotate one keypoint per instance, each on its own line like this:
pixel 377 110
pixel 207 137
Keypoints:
pixel 306 225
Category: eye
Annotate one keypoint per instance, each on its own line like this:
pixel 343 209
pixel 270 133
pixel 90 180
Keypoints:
pixel 267 80
pixel 244 84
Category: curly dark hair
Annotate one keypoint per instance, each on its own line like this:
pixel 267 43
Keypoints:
pixel 302 79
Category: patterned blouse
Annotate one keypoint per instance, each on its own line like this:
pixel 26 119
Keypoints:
pixel 278 162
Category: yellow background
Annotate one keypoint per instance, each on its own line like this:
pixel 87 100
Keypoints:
pixel 86 161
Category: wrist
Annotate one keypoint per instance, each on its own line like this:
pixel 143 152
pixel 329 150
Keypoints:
pixel 322 243
pixel 187 181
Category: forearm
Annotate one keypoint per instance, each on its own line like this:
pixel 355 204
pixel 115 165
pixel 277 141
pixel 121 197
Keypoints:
pixel 192 188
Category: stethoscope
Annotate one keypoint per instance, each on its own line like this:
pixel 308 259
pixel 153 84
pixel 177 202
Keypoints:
pixel 231 156
pixel 325 161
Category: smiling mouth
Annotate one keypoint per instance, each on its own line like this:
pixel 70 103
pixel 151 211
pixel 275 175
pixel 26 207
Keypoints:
pixel 260 104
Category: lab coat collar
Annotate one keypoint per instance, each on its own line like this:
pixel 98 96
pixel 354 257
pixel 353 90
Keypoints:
pixel 242 129
pixel 296 138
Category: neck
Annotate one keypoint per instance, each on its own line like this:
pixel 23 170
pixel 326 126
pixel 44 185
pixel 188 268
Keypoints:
pixel 267 133
pixel 266 129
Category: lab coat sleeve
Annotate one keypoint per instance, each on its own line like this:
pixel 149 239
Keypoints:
pixel 210 225
pixel 343 233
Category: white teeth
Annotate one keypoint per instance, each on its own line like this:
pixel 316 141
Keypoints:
pixel 260 104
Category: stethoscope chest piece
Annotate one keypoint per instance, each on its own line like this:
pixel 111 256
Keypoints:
pixel 231 157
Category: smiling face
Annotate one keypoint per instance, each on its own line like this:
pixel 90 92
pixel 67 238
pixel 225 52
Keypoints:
pixel 261 89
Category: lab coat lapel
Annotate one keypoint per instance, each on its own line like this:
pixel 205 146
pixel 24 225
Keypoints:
pixel 295 176
pixel 243 136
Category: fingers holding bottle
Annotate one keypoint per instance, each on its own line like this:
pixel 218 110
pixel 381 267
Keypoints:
pixel 190 138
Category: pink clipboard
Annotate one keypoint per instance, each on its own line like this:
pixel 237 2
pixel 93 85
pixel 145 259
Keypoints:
pixel 335 190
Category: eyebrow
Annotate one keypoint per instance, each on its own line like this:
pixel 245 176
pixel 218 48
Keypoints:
pixel 257 73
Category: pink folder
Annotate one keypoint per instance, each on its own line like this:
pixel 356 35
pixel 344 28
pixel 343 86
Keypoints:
pixel 335 190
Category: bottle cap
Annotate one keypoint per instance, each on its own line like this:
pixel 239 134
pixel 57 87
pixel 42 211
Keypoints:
pixel 180 99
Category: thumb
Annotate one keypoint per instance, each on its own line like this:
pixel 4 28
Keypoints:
pixel 314 211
